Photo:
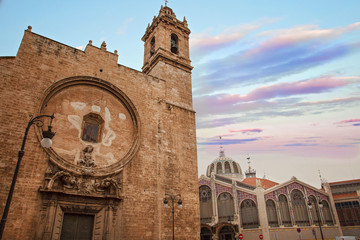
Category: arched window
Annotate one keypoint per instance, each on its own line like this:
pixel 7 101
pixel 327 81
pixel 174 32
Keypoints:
pixel 226 209
pixel 249 214
pixel 284 211
pixel 300 208
pixel 226 232
pixel 271 213
pixel 92 126
pixel 205 204
pixel 227 167
pixel 327 213
pixel 174 44
pixel 152 46
pixel 313 210
pixel 205 234
pixel 211 169
pixel 219 168
pixel 236 169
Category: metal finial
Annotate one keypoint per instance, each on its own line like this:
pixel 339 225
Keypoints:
pixel 248 160
pixel 166 1
pixel 322 180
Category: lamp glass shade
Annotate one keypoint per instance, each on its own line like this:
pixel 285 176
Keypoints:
pixel 166 203
pixel 46 142
pixel 180 203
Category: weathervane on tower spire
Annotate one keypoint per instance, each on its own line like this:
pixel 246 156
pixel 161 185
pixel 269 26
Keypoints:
pixel 248 160
pixel 166 1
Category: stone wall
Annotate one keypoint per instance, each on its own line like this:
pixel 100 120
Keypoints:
pixel 148 147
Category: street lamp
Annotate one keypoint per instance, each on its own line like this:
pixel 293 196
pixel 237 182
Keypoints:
pixel 172 198
pixel 318 215
pixel 45 142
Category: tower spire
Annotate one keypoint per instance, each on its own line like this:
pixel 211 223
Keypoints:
pixel 166 1
pixel 221 152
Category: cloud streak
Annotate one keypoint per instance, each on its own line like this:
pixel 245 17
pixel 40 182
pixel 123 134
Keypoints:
pixel 204 43
pixel 228 141
pixel 349 122
pixel 247 131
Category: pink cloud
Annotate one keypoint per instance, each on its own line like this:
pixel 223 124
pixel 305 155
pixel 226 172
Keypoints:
pixel 348 121
pixel 315 85
pixel 284 37
pixel 206 41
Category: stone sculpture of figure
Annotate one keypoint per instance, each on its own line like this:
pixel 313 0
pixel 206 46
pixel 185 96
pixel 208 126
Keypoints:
pixel 87 161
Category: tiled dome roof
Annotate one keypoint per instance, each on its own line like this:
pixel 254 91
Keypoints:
pixel 225 166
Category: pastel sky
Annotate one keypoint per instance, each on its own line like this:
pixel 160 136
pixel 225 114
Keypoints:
pixel 278 80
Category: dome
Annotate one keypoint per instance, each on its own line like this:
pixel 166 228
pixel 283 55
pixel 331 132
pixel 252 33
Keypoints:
pixel 225 166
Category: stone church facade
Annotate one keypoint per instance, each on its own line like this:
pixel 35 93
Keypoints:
pixel 123 139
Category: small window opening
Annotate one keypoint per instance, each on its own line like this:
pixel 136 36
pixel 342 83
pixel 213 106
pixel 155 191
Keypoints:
pixel 174 44
pixel 92 124
pixel 152 46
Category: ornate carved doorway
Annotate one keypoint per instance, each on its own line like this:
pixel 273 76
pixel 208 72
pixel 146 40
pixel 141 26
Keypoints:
pixel 77 227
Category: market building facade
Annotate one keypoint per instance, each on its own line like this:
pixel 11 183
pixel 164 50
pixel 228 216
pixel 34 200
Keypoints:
pixel 237 205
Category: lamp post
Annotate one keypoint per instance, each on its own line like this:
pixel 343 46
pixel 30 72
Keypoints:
pixel 45 142
pixel 172 198
pixel 318 216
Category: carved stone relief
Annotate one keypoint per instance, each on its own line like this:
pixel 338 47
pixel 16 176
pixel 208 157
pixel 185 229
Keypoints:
pixel 57 179
pixel 87 160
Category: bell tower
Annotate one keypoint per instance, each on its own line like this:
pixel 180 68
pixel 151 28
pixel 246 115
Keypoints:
pixel 166 55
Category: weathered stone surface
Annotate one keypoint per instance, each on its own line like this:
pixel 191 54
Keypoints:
pixel 146 148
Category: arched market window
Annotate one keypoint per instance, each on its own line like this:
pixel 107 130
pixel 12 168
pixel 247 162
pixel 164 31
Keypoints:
pixel 225 206
pixel 249 214
pixel 205 204
pixel 300 208
pixel 271 213
pixel 284 211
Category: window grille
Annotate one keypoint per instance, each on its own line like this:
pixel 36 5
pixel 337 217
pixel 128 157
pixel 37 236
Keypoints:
pixel 205 234
pixel 236 169
pixel 205 204
pixel 249 214
pixel 327 213
pixel 219 168
pixel 271 213
pixel 226 209
pixel 300 208
pixel 284 211
pixel 227 167
pixel 314 204
pixel 349 213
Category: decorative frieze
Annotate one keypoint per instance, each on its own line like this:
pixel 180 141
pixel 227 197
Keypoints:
pixel 57 179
